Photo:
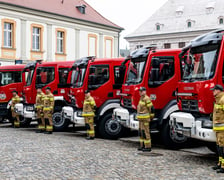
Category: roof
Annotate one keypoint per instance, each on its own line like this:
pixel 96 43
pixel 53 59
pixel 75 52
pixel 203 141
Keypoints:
pixel 12 67
pixel 65 8
pixel 174 15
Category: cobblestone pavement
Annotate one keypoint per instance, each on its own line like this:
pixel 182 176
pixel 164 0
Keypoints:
pixel 66 155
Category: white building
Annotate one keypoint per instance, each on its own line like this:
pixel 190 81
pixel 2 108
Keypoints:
pixel 54 30
pixel 177 22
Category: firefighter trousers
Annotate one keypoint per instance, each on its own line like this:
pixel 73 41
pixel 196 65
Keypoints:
pixel 48 120
pixel 16 120
pixel 144 133
pixel 220 147
pixel 41 121
pixel 89 121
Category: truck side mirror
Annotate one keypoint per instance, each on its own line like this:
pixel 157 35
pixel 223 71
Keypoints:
pixel 154 73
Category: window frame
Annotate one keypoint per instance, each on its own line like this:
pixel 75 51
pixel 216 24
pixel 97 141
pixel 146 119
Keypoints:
pixel 48 67
pixel 96 42
pixel 13 33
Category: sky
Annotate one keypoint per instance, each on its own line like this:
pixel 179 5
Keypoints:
pixel 129 14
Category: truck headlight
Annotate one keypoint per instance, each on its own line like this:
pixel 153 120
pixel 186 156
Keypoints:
pixel 79 113
pixel 207 124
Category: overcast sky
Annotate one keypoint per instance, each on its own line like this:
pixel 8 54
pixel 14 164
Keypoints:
pixel 129 14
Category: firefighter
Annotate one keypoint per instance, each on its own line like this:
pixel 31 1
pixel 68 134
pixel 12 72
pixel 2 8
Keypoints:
pixel 218 125
pixel 15 115
pixel 39 109
pixel 144 115
pixel 48 110
pixel 88 114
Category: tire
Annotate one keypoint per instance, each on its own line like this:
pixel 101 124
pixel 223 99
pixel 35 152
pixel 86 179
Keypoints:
pixel 24 122
pixel 171 139
pixel 59 122
pixel 108 128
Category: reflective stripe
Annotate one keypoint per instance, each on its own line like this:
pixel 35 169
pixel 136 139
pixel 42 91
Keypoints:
pixel 91 121
pixel 220 159
pixel 218 127
pixel 51 99
pixel 91 132
pixel 146 124
pixel 47 108
pixel 149 103
pixel 39 106
pixel 141 140
pixel 147 141
pixel 41 127
pixel 143 116
pixel 49 128
pixel 141 102
pixel 217 106
pixel 88 114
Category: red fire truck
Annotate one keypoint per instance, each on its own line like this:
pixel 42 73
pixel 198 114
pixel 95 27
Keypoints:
pixel 11 78
pixel 158 71
pixel 45 74
pixel 104 78
pixel 204 67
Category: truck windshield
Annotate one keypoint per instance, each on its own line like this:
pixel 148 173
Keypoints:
pixel 135 71
pixel 9 77
pixel 29 77
pixel 200 63
pixel 78 75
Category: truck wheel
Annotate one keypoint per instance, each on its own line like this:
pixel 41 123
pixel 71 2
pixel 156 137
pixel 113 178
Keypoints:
pixel 24 122
pixel 59 123
pixel 110 129
pixel 170 138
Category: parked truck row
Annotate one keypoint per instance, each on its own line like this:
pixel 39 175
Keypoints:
pixel 178 82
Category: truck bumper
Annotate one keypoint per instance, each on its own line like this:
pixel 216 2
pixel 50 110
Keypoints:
pixel 74 116
pixel 125 118
pixel 188 125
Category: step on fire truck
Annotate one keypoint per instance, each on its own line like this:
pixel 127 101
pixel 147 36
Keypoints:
pixel 158 71
pixel 204 68
pixel 104 78
pixel 11 78
pixel 45 74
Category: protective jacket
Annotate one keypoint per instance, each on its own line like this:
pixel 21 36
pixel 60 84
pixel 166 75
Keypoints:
pixel 15 100
pixel 144 108
pixel 89 107
pixel 40 100
pixel 48 102
pixel 218 113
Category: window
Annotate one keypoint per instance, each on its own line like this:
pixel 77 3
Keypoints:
pixel 63 75
pixel 99 75
pixel 167 46
pixel 36 39
pixel 45 75
pixel 10 77
pixel 181 44
pixel 189 24
pixel 8 35
pixel 92 45
pixel 108 47
pixel 139 46
pixel 220 20
pixel 158 27
pixel 119 73
pixel 163 71
pixel 60 42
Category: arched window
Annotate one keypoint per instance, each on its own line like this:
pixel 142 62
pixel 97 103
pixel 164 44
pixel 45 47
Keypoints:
pixel 221 21
pixel 189 24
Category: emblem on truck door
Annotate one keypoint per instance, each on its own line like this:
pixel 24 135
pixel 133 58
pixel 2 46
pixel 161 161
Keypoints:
pixel 153 97
pixel 2 96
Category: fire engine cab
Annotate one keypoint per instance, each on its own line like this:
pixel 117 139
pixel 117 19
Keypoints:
pixel 104 78
pixel 204 68
pixel 45 74
pixel 11 78
pixel 158 71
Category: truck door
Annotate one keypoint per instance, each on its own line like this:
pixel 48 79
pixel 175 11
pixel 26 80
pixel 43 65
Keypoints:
pixel 99 83
pixel 46 77
pixel 162 80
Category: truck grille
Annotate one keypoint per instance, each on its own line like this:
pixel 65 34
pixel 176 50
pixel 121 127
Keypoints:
pixel 127 103
pixel 190 105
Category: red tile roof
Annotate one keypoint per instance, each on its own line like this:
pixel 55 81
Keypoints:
pixel 65 8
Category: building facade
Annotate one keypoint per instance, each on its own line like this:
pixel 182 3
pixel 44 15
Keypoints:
pixel 177 22
pixel 54 30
